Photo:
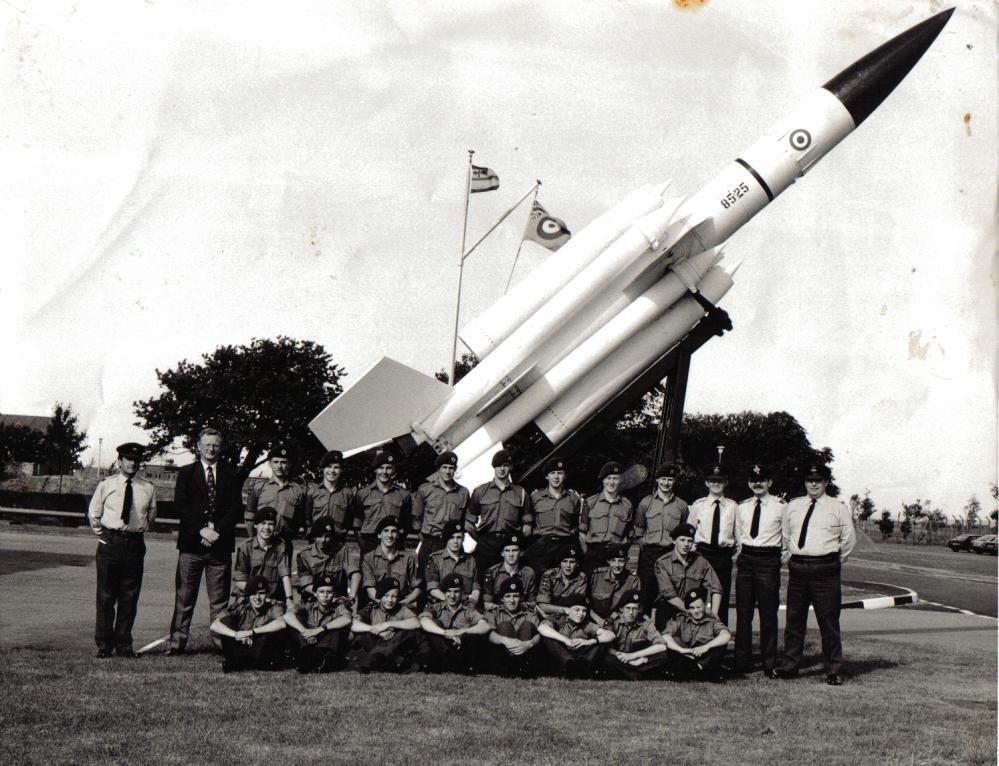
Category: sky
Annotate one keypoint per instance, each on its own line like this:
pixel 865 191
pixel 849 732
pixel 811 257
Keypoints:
pixel 177 177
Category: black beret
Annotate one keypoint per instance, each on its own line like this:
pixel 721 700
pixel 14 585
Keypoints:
pixel 512 585
pixel 323 526
pixel 502 457
pixel 452 581
pixel 683 530
pixel 385 585
pixel 609 468
pixel 697 594
pixel 446 458
pixel 257 583
pixel 667 469
pixel 759 472
pixel 617 551
pixel 131 450
pixel 631 596
pixel 331 457
pixel 279 450
pixel 388 521
pixel 453 528
pixel 716 474
pixel 513 539
pixel 324 581
pixel 555 464
pixel 265 514
pixel 575 599
pixel 571 552
pixel 382 457
pixel 817 472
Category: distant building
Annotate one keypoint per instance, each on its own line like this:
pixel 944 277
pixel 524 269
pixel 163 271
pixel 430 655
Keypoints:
pixel 36 423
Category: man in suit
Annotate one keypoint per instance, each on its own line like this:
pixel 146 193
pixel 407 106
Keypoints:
pixel 209 505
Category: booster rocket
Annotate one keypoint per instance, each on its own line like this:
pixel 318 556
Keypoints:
pixel 627 288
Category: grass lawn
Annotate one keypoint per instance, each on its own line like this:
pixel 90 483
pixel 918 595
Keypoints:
pixel 900 705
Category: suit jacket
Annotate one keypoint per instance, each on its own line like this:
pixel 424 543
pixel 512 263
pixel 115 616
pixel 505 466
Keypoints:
pixel 191 502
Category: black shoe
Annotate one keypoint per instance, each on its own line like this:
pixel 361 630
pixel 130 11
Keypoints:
pixel 175 651
pixel 772 673
pixel 785 674
pixel 228 666
pixel 126 653
pixel 103 654
pixel 834 679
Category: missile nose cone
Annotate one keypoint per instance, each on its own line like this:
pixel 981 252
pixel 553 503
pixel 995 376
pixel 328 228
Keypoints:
pixel 863 85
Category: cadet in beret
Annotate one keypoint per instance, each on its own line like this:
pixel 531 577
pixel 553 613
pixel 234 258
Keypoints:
pixel 381 499
pixel 389 559
pixel 330 500
pixel 639 650
pixel 250 630
pixel 508 567
pixel 320 629
pixel 555 510
pixel 122 509
pixel 696 640
pixel 264 555
pixel 606 518
pixel 436 503
pixel 497 509
pixel 453 560
pixel 282 494
pixel 388 632
pixel 656 515
pixel 558 584
pixel 818 536
pixel 455 629
pixel 608 583
pixel 759 532
pixel 324 557
pixel 575 643
pixel 714 519
pixel 681 571
pixel 514 637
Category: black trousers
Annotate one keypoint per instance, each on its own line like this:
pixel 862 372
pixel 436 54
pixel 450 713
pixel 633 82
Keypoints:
pixel 595 556
pixel 120 557
pixel 655 667
pixel 428 544
pixel 574 663
pixel 187 581
pixel 757 588
pixel 448 658
pixel 264 653
pixel 720 559
pixel 546 551
pixel 707 665
pixel 488 549
pixel 500 662
pixel 395 654
pixel 326 654
pixel 648 555
pixel 815 581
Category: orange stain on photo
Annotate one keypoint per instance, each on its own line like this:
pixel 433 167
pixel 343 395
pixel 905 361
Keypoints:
pixel 967 123
pixel 689 5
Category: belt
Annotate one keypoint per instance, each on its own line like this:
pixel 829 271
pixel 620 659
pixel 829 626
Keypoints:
pixel 122 532
pixel 798 558
pixel 720 550
pixel 765 550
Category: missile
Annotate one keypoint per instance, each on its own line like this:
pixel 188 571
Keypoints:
pixel 562 343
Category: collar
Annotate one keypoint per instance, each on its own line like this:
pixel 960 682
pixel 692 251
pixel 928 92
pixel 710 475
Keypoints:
pixel 328 488
pixel 257 544
pixel 391 556
pixel 502 487
pixel 214 466
pixel 281 485
pixel 604 496
pixel 666 500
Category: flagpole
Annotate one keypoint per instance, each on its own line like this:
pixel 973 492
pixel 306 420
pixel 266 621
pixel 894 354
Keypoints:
pixel 461 269
pixel 533 189
pixel 521 245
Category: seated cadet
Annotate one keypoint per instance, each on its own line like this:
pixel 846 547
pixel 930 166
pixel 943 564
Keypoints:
pixel 321 629
pixel 250 630
pixel 638 651
pixel 453 560
pixel 454 629
pixel 573 641
pixel 324 557
pixel 389 559
pixel 514 636
pixel 509 566
pixel 388 632
pixel 696 640
pixel 561 582
pixel 608 583
pixel 679 572
pixel 265 555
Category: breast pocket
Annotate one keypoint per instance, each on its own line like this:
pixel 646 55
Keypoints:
pixel 599 521
pixel 548 517
pixel 654 524
pixel 511 511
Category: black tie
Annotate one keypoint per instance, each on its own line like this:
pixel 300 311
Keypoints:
pixel 754 528
pixel 715 523
pixel 126 506
pixel 804 526
pixel 210 478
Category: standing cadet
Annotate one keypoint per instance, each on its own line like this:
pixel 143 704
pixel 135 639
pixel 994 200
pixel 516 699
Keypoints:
pixel 514 637
pixel 381 499
pixel 638 651
pixel 388 632
pixel 714 519
pixel 758 531
pixel 558 584
pixel 656 515
pixel 279 492
pixel 436 503
pixel 696 640
pixel 122 509
pixel 454 629
pixel 251 630
pixel 263 555
pixel 574 642
pixel 324 557
pixel 453 561
pixel 509 567
pixel 389 559
pixel 608 583
pixel 330 500
pixel 497 509
pixel 681 571
pixel 818 536
pixel 320 629
pixel 555 510
pixel 606 518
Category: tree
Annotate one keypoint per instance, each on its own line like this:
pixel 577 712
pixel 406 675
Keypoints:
pixel 886 525
pixel 63 441
pixel 20 444
pixel 862 507
pixel 257 395
pixel 972 511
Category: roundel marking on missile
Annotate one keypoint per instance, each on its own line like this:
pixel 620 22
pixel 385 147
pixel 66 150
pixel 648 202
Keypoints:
pixel 800 139
pixel 549 228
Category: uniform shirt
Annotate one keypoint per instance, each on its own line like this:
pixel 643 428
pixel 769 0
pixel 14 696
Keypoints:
pixel 445 617
pixel 271 563
pixel 333 505
pixel 606 588
pixel 497 509
pixel 655 518
pixel 557 516
pixel 373 614
pixel 434 505
pixel 243 616
pixel 830 529
pixel 554 588
pixel 677 579
pixel 771 522
pixel 570 629
pixel 312 615
pixel 702 516
pixel 606 521
pixel 497 617
pixel 109 497
pixel 690 633
pixel 497 574
pixel 403 566
pixel 373 504
pixel 442 563
pixel 313 563
pixel 639 635
pixel 288 500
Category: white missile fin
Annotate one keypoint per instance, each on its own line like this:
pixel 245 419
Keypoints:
pixel 735 267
